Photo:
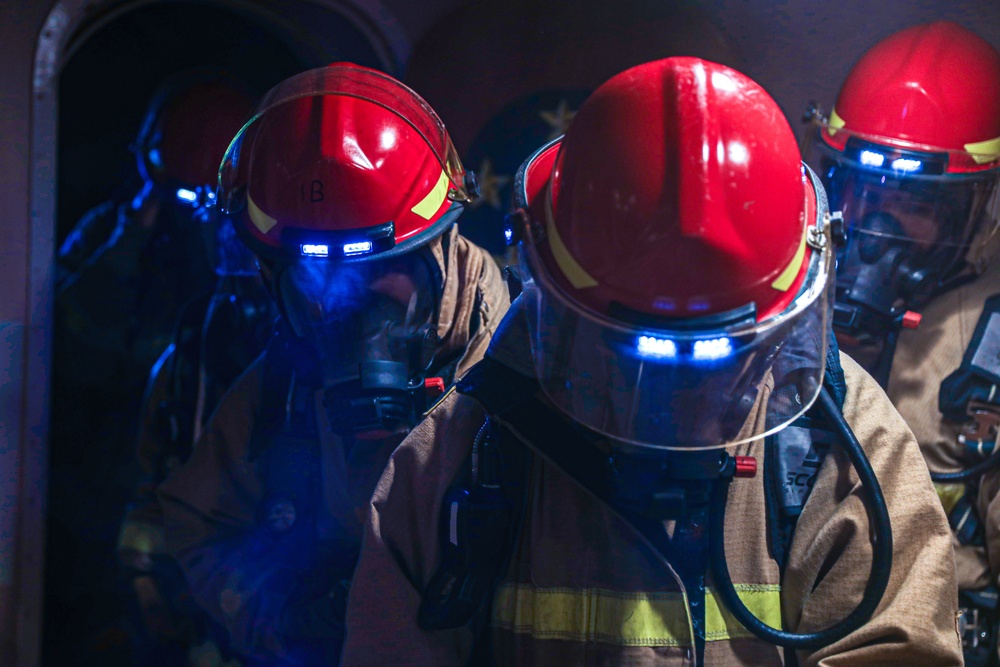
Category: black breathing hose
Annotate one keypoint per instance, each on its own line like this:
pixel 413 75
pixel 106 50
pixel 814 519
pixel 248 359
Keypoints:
pixel 991 461
pixel 881 535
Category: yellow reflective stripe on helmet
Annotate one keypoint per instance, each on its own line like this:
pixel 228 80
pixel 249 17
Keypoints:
pixel 984 151
pixel 261 220
pixel 430 204
pixel 624 619
pixel 787 277
pixel 575 274
pixel 834 122
pixel 949 495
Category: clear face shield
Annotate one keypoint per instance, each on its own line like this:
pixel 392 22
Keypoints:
pixel 912 230
pixel 682 385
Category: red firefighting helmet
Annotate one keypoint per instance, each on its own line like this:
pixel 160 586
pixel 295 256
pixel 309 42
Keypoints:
pixel 677 260
pixel 933 88
pixel 342 162
pixel 187 128
pixel 911 156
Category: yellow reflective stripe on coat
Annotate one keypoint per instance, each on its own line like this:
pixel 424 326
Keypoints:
pixel 949 495
pixel 623 618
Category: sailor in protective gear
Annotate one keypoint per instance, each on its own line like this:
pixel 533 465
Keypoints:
pixel 660 368
pixel 910 155
pixel 125 274
pixel 216 338
pixel 346 186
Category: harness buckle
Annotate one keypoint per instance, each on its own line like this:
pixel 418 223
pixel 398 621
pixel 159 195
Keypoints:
pixel 971 627
pixel 983 426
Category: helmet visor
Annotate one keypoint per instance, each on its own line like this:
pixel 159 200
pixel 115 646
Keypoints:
pixel 677 388
pixel 911 226
pixel 360 83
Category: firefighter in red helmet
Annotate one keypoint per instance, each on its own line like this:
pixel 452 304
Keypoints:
pixel 652 465
pixel 910 155
pixel 103 287
pixel 346 186
pixel 125 274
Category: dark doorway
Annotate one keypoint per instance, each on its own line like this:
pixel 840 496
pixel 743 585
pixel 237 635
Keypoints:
pixel 105 86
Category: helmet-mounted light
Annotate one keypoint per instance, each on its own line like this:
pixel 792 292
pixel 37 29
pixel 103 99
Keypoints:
pixel 696 341
pixel 188 196
pixel 358 248
pixel 906 164
pixel 652 347
pixel 202 196
pixel 315 250
pixel 339 244
pixel 665 349
pixel 892 160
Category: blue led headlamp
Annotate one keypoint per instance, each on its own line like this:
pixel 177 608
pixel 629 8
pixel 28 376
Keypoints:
pixel 682 341
pixel 340 244
pixel 202 196
pixel 895 161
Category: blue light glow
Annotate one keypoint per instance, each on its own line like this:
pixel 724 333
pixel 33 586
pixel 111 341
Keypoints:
pixel 509 235
pixel 657 348
pixel 357 248
pixel 712 348
pixel 185 195
pixel 872 159
pixel 315 250
pixel 905 164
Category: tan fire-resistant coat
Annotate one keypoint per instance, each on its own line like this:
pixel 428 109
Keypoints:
pixel 210 504
pixel 924 357
pixel 583 589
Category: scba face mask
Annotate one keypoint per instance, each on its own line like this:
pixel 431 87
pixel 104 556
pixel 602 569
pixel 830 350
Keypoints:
pixel 912 230
pixel 373 326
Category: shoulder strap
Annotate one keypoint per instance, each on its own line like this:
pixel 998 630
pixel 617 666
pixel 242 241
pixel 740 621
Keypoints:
pixel 284 444
pixel 496 387
pixel 286 364
pixel 480 513
pixel 792 458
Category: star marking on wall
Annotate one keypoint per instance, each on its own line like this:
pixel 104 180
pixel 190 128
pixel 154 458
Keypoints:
pixel 558 119
pixel 490 185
